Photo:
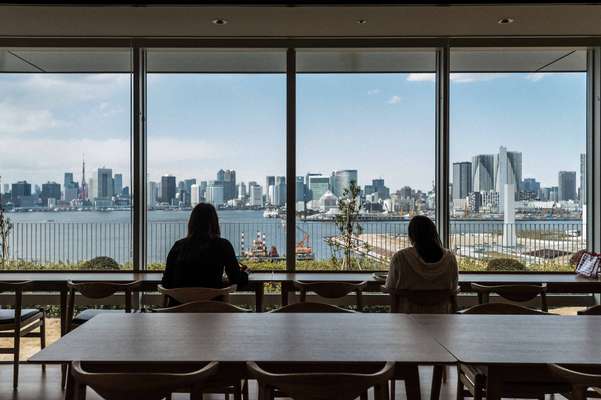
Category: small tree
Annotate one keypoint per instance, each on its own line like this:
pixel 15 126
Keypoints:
pixel 349 206
pixel 6 227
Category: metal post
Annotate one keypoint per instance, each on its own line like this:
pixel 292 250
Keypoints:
pixel 291 160
pixel 139 158
pixel 442 143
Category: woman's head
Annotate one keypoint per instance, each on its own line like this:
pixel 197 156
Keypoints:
pixel 424 237
pixel 203 222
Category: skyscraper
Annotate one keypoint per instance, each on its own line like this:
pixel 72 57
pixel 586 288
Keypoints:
pixel 343 179
pixel 215 193
pixel 462 180
pixel 483 172
pixel 508 171
pixel 104 183
pixel 20 193
pixel 318 185
pixel 582 179
pixel 194 194
pixel 279 196
pixel 152 194
pixel 118 184
pixel 50 190
pixel 300 189
pixel 255 195
pixel 566 185
pixel 168 189
pixel 68 179
pixel 269 181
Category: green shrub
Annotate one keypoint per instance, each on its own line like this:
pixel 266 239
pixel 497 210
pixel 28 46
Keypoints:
pixel 504 265
pixel 100 263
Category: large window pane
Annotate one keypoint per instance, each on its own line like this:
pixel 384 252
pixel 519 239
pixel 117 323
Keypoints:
pixel 365 116
pixel 216 134
pixel 65 157
pixel 518 144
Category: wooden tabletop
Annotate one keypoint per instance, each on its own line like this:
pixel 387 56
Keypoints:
pixel 517 339
pixel 184 338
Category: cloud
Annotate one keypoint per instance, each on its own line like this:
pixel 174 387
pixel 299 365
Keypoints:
pixel 536 76
pixel 394 100
pixel 18 120
pixel 373 92
pixel 464 77
pixel 421 77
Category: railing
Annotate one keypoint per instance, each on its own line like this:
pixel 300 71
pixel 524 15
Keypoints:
pixel 70 243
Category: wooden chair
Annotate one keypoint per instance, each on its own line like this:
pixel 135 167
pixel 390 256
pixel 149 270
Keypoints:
pixel 579 381
pixel 222 385
pixel 137 385
pixel 331 290
pixel 515 293
pixel 421 302
pixel 310 307
pixel 322 386
pixel 190 294
pixel 203 307
pixel 20 322
pixel 594 310
pixel 473 377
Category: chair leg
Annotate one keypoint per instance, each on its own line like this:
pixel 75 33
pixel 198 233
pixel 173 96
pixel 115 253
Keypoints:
pixel 460 388
pixel 478 391
pixel 17 350
pixel 245 395
pixel 364 396
pixel 43 336
pixel 392 389
pixel 444 374
pixel 80 391
pixel 412 388
pixel 64 374
pixel 436 382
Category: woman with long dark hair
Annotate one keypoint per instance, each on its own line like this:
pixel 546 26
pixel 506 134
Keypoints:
pixel 425 265
pixel 200 259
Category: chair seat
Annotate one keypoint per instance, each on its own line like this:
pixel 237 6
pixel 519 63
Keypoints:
pixel 90 313
pixel 475 373
pixel 8 316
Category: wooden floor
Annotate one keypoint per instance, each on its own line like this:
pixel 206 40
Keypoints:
pixel 37 385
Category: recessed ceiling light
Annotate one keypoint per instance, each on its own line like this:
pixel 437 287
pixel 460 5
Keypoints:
pixel 506 20
pixel 362 21
pixel 220 21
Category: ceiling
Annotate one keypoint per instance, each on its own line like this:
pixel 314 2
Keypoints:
pixel 301 21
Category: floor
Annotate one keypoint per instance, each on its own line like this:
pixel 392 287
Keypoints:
pixel 37 385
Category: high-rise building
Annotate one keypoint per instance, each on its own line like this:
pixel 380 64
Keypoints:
pixel 342 180
pixel 255 195
pixel 462 180
pixel 299 196
pixel 377 186
pixel 483 172
pixel 152 194
pixel 582 179
pixel 566 185
pixel 194 195
pixel 68 180
pixel 279 191
pixel 21 193
pixel 91 190
pixel 118 184
pixel 508 171
pixel 318 185
pixel 269 181
pixel 104 184
pixel 50 190
pixel 215 193
pixel 406 193
pixel 242 191
pixel 168 189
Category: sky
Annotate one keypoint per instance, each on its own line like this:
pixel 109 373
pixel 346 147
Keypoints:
pixel 380 124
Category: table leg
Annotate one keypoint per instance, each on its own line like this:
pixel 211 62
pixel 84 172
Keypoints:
pixel 436 382
pixel 259 294
pixel 70 389
pixel 412 385
pixel 285 290
pixel 494 384
pixel 63 311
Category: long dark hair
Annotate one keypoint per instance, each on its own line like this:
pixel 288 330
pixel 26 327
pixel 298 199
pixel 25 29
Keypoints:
pixel 424 237
pixel 203 222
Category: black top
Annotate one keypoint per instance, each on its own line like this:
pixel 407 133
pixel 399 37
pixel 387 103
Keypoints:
pixel 200 263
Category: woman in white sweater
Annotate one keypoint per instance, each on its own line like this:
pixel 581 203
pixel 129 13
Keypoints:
pixel 426 265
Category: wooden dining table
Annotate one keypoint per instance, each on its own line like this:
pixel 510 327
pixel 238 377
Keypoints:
pixel 354 340
pixel 517 348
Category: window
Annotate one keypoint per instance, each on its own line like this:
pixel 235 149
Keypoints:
pixel 518 156
pixel 365 118
pixel 65 157
pixel 216 134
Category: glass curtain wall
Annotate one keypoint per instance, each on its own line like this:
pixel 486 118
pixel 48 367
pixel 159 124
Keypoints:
pixel 65 118
pixel 365 153
pixel 518 157
pixel 216 132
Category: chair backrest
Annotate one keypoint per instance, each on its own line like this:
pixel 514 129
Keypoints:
pixel 331 290
pixel 190 294
pixel 309 307
pixel 579 381
pixel 502 309
pixel 99 290
pixel 594 310
pixel 203 307
pixel 17 288
pixel 517 293
pixel 323 386
pixel 424 299
pixel 140 385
